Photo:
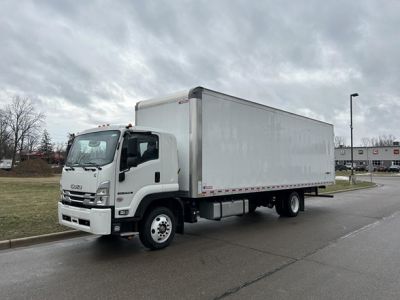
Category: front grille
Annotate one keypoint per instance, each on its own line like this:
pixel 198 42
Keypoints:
pixel 78 197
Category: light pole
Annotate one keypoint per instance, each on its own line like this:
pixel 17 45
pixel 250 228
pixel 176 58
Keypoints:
pixel 351 134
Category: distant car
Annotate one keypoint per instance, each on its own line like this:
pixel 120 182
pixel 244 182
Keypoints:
pixel 348 166
pixel 360 168
pixel 381 169
pixel 394 168
pixel 340 168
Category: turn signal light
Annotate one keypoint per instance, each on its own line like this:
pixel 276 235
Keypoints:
pixel 123 212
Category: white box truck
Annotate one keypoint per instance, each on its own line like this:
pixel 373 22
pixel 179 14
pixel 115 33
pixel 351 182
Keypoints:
pixel 195 154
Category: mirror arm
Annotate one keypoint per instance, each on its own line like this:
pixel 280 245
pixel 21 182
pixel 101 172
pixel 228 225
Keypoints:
pixel 121 176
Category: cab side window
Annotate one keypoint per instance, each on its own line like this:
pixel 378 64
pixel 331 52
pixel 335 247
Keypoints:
pixel 137 149
pixel 148 148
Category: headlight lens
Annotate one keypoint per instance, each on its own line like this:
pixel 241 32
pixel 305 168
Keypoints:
pixel 103 194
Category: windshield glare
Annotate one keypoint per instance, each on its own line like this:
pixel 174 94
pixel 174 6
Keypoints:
pixel 95 149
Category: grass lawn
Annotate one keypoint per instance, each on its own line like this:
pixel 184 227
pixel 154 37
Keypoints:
pixel 345 185
pixel 28 206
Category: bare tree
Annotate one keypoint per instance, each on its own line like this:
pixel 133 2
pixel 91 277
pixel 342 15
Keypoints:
pixel 5 136
pixel 383 140
pixel 32 141
pixel 366 142
pixel 388 141
pixel 22 119
pixel 339 141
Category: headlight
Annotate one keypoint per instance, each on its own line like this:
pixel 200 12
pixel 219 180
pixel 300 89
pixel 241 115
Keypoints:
pixel 103 194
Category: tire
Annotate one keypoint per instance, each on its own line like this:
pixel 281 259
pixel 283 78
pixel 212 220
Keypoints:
pixel 288 205
pixel 292 204
pixel 157 229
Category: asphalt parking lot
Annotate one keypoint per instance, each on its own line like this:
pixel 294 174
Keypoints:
pixel 345 247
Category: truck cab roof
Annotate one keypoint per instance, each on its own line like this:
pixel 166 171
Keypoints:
pixel 121 128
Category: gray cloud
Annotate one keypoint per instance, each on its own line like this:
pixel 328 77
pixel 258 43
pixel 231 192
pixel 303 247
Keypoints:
pixel 89 62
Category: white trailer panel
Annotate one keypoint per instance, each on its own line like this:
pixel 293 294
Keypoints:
pixel 229 145
pixel 246 145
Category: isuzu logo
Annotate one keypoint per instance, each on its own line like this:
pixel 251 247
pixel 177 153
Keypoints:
pixel 76 187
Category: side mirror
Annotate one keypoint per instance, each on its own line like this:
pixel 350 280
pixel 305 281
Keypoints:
pixel 124 159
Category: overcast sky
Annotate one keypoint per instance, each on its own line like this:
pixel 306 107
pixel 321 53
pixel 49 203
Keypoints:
pixel 86 63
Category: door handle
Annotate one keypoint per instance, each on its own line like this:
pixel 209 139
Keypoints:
pixel 157 177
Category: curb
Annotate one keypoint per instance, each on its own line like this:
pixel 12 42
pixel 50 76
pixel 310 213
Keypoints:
pixel 5 244
pixel 353 189
pixel 38 239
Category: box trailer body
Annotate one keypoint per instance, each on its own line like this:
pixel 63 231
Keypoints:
pixel 199 153
pixel 229 145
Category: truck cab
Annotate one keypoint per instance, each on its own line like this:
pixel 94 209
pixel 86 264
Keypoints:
pixel 115 178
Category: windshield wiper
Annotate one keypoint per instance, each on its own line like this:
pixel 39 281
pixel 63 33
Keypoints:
pixel 90 164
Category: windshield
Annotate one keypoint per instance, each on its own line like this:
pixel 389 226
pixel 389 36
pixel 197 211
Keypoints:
pixel 95 149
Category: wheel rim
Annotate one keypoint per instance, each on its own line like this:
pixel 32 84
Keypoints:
pixel 294 203
pixel 161 228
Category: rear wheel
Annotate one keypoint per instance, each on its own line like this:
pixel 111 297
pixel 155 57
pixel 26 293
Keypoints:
pixel 293 204
pixel 157 229
pixel 288 205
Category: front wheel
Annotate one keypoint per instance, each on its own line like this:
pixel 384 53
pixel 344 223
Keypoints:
pixel 157 229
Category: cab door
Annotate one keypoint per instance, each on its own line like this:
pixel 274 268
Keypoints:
pixel 139 172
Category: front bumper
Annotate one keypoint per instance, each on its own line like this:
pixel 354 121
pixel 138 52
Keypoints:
pixel 94 220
